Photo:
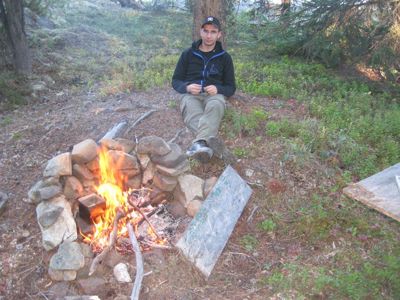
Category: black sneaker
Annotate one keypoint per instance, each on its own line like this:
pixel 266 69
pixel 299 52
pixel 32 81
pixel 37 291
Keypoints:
pixel 200 151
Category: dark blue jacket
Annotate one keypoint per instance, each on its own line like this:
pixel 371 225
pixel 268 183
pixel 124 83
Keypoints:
pixel 193 67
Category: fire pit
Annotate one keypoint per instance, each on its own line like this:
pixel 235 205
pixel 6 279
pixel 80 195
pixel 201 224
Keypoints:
pixel 94 193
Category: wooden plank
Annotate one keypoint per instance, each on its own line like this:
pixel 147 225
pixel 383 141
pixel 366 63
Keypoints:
pixel 380 191
pixel 209 231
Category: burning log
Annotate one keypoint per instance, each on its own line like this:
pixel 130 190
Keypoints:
pixel 113 237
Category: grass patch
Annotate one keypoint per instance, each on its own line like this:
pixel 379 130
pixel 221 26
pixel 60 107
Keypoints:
pixel 348 118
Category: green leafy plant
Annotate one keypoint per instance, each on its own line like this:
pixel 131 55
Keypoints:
pixel 249 242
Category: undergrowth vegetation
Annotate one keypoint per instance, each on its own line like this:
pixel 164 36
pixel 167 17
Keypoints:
pixel 348 123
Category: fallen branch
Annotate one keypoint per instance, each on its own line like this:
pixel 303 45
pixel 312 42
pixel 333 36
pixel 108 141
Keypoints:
pixel 176 135
pixel 139 264
pixel 116 131
pixel 111 242
pixel 144 116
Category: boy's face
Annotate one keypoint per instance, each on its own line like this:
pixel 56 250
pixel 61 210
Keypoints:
pixel 209 35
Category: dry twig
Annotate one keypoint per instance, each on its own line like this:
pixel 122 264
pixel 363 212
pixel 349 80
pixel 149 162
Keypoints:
pixel 139 264
pixel 144 116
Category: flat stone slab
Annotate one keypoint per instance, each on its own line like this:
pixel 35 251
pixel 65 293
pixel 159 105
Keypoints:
pixel 209 231
pixel 380 192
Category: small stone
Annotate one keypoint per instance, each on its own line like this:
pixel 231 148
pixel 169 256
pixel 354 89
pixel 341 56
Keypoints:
pixel 84 152
pixel 91 206
pixel 61 275
pixel 153 145
pixel 193 207
pixel 121 273
pixel 248 173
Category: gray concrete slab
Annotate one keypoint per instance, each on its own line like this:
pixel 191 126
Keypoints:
pixel 210 229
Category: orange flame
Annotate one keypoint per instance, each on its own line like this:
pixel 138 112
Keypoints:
pixel 111 189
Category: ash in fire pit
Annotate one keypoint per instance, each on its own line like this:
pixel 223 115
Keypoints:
pixel 104 187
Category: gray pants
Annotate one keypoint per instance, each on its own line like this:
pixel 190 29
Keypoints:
pixel 203 114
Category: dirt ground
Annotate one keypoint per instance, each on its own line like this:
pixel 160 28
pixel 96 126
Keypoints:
pixel 39 131
pixel 59 118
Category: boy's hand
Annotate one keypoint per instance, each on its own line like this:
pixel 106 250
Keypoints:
pixel 211 90
pixel 193 89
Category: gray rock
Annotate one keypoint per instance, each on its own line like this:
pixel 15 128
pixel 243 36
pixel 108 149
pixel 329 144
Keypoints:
pixel 208 185
pixel 193 207
pixel 63 275
pixel 84 152
pixel 171 159
pixel 44 189
pixel 148 174
pixel 179 169
pixel 64 229
pixel 153 145
pixel 73 188
pixel 176 208
pixel 124 161
pixel 144 159
pixel 82 173
pixel 124 145
pixel 93 165
pixel 50 216
pixel 68 257
pixel 134 182
pixel 165 183
pixel 189 187
pixel 59 166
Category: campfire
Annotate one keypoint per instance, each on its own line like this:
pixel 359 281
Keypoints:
pixel 118 204
pixel 95 193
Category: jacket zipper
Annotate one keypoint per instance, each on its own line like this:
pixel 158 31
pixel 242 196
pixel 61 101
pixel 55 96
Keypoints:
pixel 205 65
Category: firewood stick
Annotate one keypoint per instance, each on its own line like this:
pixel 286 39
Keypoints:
pixel 144 216
pixel 177 135
pixel 144 116
pixel 111 242
pixel 139 264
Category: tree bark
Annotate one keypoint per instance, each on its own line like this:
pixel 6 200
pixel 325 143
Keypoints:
pixel 205 8
pixel 12 16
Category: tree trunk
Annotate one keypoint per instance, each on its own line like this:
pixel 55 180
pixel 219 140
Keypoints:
pixel 285 6
pixel 205 8
pixel 12 16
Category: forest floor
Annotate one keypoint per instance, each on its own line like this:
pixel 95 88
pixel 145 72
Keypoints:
pixel 272 238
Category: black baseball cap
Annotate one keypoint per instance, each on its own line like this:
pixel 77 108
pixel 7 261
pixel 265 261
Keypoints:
pixel 211 20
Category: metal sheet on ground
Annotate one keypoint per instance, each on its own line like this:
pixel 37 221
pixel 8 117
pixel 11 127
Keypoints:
pixel 380 191
pixel 209 231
